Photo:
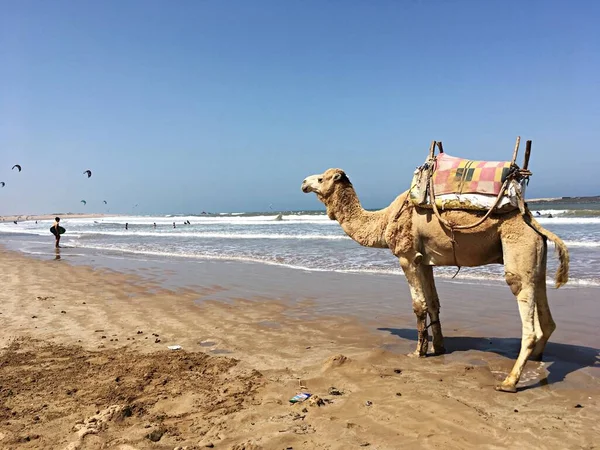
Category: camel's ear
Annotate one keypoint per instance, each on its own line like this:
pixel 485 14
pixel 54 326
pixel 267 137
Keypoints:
pixel 340 176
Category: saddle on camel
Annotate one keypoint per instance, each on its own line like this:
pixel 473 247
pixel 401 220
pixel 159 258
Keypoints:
pixel 445 182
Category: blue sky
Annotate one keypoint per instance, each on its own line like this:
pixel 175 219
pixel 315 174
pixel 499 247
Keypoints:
pixel 194 106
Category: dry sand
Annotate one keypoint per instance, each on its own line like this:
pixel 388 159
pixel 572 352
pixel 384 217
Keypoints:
pixel 84 364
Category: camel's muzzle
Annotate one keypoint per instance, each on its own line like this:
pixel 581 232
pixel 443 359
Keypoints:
pixel 310 184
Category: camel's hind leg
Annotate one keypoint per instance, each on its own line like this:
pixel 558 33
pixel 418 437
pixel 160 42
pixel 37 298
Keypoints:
pixel 544 324
pixel 425 301
pixel 523 256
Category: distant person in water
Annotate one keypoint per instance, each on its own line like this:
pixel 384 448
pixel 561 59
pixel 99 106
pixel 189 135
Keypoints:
pixel 56 232
pixel 537 213
pixel 549 216
pixel 174 225
pixel 126 226
pixel 154 224
pixel 15 222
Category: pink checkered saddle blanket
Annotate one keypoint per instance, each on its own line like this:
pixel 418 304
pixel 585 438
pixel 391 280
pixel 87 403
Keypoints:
pixel 462 176
pixel 464 184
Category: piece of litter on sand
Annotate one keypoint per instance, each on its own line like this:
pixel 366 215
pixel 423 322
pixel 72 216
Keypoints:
pixel 174 347
pixel 368 403
pixel 334 391
pixel 298 398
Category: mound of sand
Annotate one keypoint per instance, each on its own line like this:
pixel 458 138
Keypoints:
pixel 335 361
pixel 54 396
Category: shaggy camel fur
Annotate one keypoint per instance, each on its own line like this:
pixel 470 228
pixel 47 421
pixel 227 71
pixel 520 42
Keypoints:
pixel 420 242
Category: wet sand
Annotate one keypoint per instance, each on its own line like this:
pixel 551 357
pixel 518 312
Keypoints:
pixel 85 363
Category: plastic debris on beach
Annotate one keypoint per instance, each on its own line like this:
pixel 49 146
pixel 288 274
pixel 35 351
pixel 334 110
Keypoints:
pixel 174 347
pixel 299 398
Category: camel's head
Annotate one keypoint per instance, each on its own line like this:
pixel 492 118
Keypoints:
pixel 325 184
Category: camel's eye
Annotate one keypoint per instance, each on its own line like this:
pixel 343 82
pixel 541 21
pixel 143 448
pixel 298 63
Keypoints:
pixel 320 180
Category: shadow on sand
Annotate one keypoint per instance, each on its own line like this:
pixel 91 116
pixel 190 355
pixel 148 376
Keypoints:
pixel 565 358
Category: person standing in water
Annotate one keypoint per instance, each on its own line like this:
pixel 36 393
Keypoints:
pixel 174 225
pixel 126 226
pixel 154 225
pixel 56 232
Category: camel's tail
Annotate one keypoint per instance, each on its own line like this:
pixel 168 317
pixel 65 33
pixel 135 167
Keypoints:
pixel 562 273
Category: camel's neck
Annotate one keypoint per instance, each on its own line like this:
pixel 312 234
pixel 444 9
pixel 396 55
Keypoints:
pixel 365 227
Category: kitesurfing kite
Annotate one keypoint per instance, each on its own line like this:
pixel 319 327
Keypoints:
pixel 2 183
pixel 88 173
pixel 105 202
pixel 84 202
pixel 17 166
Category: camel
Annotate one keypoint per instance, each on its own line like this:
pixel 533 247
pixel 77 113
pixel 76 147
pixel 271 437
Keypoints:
pixel 418 239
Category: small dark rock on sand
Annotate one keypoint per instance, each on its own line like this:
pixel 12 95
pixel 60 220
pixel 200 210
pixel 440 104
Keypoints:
pixel 334 391
pixel 155 435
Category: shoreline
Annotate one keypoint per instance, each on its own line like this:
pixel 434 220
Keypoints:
pixel 30 217
pixel 262 332
pixel 22 242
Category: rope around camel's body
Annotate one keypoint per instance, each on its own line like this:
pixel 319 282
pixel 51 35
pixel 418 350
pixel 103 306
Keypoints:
pixel 453 227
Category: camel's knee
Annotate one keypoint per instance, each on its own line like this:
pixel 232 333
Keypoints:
pixel 548 326
pixel 514 282
pixel 529 341
pixel 420 310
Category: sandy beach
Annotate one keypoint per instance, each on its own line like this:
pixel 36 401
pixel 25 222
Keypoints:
pixel 85 362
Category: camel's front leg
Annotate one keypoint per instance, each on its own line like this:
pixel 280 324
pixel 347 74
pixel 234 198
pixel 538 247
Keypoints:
pixel 433 306
pixel 416 282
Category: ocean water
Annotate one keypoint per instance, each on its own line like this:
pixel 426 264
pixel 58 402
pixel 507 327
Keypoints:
pixel 303 240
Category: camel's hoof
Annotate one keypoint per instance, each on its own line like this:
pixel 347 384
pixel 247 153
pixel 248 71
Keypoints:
pixel 417 354
pixel 439 351
pixel 506 388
